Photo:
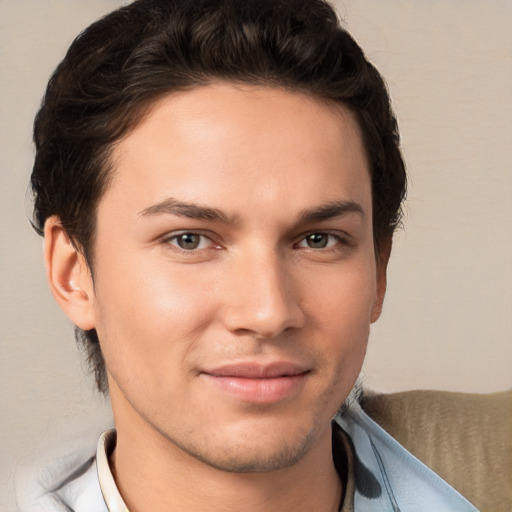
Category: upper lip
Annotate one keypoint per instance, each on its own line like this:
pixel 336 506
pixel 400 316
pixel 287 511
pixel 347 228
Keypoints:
pixel 255 370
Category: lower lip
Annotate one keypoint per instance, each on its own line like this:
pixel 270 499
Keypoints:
pixel 258 391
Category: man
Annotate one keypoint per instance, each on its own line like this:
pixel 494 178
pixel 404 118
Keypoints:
pixel 218 183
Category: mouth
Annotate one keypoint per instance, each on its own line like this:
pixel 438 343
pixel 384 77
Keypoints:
pixel 257 383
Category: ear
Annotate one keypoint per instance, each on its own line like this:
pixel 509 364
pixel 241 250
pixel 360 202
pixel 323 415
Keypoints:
pixel 68 275
pixel 382 259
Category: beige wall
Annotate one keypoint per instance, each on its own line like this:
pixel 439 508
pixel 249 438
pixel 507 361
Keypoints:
pixel 448 316
pixel 447 322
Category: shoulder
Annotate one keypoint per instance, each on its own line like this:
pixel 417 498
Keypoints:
pixel 460 436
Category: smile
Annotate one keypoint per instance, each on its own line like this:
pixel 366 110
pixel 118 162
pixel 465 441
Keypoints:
pixel 258 384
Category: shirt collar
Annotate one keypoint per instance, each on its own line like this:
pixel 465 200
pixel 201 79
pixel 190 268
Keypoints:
pixel 387 477
pixel 109 490
pixel 342 454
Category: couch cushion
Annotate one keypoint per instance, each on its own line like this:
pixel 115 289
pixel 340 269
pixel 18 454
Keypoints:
pixel 465 438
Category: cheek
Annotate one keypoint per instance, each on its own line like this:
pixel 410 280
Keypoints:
pixel 341 315
pixel 149 317
pixel 343 298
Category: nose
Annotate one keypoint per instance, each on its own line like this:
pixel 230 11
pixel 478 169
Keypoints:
pixel 261 297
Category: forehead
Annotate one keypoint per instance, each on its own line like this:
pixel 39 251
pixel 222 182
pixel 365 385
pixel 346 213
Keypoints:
pixel 235 145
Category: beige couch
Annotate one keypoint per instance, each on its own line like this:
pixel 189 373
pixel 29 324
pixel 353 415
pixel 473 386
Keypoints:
pixel 465 438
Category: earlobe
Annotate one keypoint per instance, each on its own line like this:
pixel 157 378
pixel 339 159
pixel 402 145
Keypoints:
pixel 382 266
pixel 68 275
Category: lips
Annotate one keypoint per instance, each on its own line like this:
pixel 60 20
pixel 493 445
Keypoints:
pixel 257 383
pixel 257 371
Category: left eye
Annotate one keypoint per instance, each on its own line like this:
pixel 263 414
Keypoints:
pixel 189 241
pixel 318 241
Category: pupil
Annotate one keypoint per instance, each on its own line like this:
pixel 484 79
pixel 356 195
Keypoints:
pixel 188 241
pixel 317 240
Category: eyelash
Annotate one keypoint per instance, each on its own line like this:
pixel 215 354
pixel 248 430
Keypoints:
pixel 167 240
pixel 340 240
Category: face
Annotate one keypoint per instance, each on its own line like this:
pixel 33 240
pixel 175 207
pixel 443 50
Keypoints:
pixel 235 277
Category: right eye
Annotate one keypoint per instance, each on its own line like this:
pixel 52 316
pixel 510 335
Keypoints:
pixel 189 241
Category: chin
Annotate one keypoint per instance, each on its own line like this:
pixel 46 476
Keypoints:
pixel 255 460
pixel 249 453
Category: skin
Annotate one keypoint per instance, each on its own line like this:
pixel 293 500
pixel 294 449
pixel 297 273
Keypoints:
pixel 281 267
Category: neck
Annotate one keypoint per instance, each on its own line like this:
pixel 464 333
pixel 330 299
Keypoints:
pixel 154 474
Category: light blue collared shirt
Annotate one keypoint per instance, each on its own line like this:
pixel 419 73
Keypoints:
pixel 406 484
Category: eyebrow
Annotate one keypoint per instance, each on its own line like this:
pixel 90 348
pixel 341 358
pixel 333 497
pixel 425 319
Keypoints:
pixel 171 206
pixel 331 210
